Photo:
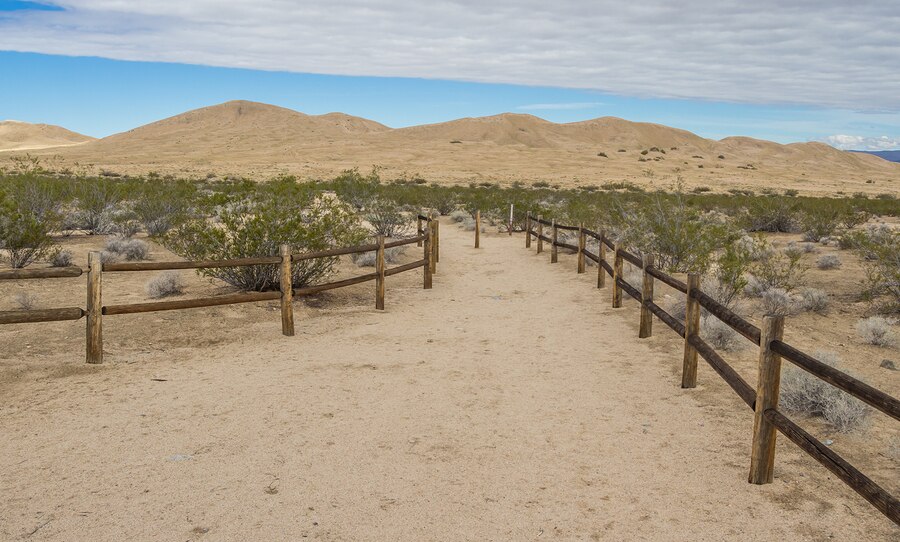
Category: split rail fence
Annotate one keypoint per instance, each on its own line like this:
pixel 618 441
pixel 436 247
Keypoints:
pixel 772 349
pixel 94 312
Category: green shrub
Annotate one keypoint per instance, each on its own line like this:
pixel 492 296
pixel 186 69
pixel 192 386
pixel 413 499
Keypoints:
pixel 24 238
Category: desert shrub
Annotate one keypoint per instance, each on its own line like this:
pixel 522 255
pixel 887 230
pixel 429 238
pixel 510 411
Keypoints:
pixel 354 188
pixel 292 214
pixel 108 257
pixel 25 301
pixel 459 215
pixel 876 330
pixel 96 204
pixel 128 249
pixel 771 215
pixel 719 335
pixel 803 393
pixel 820 222
pixel 161 206
pixel 777 302
pixel 386 218
pixel 880 251
pixel 813 300
pixel 24 238
pixel 851 218
pixel 60 258
pixel 828 261
pixel 783 271
pixel 166 284
pixel 367 259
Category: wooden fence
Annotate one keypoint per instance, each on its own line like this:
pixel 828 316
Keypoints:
pixel 772 349
pixel 94 312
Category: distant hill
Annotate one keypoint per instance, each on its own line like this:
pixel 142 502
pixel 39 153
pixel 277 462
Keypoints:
pixel 890 156
pixel 260 141
pixel 23 136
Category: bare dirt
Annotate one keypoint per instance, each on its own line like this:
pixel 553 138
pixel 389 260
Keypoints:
pixel 508 403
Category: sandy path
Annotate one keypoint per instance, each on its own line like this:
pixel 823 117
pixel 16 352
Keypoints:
pixel 508 403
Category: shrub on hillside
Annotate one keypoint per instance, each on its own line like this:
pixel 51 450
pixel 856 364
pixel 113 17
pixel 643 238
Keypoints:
pixel 771 215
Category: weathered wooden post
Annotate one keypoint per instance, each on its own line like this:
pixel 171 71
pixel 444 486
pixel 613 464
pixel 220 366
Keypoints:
pixel 646 297
pixel 379 270
pixel 94 343
pixel 691 328
pixel 478 228
pixel 762 455
pixel 432 256
pixel 540 235
pixel 287 292
pixel 553 251
pixel 617 274
pixel 419 229
pixel 581 245
pixel 510 218
pixel 437 242
pixel 528 230
pixel 426 284
pixel 601 253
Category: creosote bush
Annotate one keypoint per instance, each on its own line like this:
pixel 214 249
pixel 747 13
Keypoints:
pixel 166 284
pixel 386 218
pixel 803 393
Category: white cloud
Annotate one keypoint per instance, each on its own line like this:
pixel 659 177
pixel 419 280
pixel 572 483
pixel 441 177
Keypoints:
pixel 829 53
pixel 560 106
pixel 862 143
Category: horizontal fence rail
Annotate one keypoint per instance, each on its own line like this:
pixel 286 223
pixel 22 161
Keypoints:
pixel 427 236
pixel 763 400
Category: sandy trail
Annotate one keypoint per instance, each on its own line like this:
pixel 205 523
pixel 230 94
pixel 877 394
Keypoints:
pixel 508 403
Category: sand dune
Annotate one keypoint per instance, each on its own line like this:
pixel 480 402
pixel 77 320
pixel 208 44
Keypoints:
pixel 259 140
pixel 21 136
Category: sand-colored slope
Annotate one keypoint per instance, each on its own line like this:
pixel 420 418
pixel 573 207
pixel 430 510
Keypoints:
pixel 260 140
pixel 508 403
pixel 23 136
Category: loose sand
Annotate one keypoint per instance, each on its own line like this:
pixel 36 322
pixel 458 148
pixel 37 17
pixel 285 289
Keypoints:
pixel 508 403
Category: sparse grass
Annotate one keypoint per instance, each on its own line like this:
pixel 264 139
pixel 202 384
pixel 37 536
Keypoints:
pixel 25 301
pixel 166 284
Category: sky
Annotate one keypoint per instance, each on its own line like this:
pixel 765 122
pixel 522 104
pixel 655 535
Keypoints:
pixel 803 70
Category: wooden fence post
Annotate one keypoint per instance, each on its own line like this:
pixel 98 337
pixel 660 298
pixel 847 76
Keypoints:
pixel 379 270
pixel 432 233
pixel 617 274
pixel 419 230
pixel 646 296
pixel 478 228
pixel 601 253
pixel 540 235
pixel 553 251
pixel 426 284
pixel 94 342
pixel 581 245
pixel 528 230
pixel 287 293
pixel 511 205
pixel 762 457
pixel 436 244
pixel 691 327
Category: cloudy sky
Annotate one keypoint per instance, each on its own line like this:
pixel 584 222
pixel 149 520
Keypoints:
pixel 789 71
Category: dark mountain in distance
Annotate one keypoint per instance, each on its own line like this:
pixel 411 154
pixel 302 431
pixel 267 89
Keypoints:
pixel 890 156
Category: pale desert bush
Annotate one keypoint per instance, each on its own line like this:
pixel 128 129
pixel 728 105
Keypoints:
pixel 719 335
pixel 876 330
pixel 778 302
pixel 813 300
pixel 108 257
pixel 60 258
pixel 25 301
pixel 828 261
pixel 387 219
pixel 128 249
pixel 367 259
pixel 165 284
pixel 803 393
pixel 459 215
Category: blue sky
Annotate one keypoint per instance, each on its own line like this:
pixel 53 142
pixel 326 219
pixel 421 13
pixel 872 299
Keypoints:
pixel 134 63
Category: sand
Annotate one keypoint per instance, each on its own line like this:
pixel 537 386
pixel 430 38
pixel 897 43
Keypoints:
pixel 260 141
pixel 508 403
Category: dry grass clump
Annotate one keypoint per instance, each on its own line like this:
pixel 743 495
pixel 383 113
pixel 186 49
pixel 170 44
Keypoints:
pixel 108 257
pixel 60 258
pixel 129 249
pixel 806 394
pixel 813 300
pixel 166 284
pixel 25 301
pixel 367 259
pixel 778 302
pixel 828 261
pixel 876 331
